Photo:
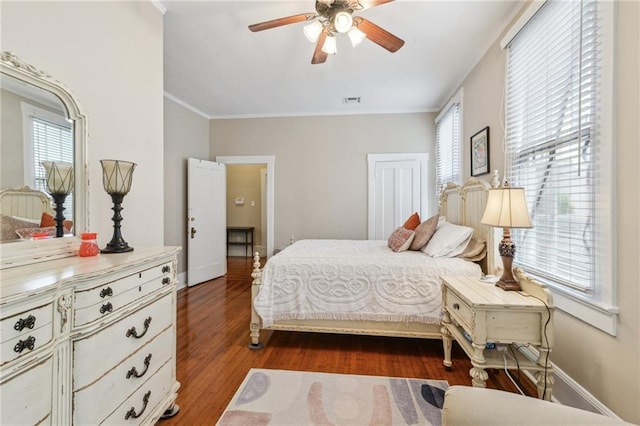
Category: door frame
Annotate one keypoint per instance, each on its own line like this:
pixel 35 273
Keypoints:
pixel 270 161
pixel 372 160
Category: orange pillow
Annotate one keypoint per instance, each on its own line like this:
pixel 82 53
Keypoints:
pixel 412 223
pixel 47 220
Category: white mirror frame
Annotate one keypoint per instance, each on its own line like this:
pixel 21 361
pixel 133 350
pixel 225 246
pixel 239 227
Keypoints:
pixel 27 252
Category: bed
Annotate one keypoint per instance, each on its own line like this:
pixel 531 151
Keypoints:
pixel 21 213
pixel 362 287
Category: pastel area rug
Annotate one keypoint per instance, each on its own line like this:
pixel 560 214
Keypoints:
pixel 280 397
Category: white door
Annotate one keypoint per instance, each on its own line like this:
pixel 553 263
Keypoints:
pixel 206 221
pixel 397 189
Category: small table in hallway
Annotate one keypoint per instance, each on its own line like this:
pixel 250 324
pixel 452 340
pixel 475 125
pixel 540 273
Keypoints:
pixel 247 232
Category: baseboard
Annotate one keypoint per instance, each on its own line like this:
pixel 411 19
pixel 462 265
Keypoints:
pixel 567 391
pixel 182 280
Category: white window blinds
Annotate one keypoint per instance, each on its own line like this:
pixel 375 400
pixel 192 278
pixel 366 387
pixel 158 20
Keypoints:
pixel 51 142
pixel 553 141
pixel 448 148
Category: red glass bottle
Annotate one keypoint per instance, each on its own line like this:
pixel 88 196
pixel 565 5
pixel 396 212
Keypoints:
pixel 89 245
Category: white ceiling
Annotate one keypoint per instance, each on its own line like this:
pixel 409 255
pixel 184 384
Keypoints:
pixel 217 67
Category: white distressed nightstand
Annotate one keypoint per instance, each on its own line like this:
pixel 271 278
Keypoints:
pixel 489 314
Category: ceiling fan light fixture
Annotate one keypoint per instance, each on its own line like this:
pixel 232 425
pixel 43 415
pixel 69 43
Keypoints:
pixel 342 21
pixel 312 31
pixel 356 36
pixel 330 46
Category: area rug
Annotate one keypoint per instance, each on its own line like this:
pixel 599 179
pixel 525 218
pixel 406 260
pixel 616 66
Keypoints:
pixel 280 397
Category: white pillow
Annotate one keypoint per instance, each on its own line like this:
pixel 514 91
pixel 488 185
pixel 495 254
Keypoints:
pixel 450 240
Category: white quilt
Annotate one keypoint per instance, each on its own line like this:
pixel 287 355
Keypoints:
pixel 354 280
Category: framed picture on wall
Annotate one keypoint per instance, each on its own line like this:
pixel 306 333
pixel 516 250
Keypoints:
pixel 480 152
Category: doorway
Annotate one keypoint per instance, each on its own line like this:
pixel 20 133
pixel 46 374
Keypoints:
pixel 266 220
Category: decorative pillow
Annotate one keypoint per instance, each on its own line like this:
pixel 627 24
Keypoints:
pixel 47 220
pixel 400 239
pixel 424 232
pixel 412 223
pixel 10 224
pixel 476 250
pixel 449 240
pixel 29 233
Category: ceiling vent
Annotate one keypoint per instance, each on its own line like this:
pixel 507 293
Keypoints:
pixel 351 100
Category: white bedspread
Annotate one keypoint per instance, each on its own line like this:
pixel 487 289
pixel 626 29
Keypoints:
pixel 354 280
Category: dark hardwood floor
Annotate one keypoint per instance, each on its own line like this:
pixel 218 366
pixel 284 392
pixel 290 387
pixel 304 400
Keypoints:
pixel 213 355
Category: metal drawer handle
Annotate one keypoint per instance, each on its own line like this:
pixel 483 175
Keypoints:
pixel 166 268
pixel 456 306
pixel 134 372
pixel 166 280
pixel 106 292
pixel 132 411
pixel 106 308
pixel 132 331
pixel 27 322
pixel 28 343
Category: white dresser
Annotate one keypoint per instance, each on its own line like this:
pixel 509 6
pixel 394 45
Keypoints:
pixel 89 341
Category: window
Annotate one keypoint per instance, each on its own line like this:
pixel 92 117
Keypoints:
pixel 448 144
pixel 557 150
pixel 48 137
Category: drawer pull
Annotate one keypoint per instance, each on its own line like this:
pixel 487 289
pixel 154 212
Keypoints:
pixel 166 268
pixel 106 292
pixel 23 323
pixel 132 331
pixel 456 306
pixel 134 371
pixel 166 280
pixel 132 411
pixel 28 343
pixel 106 308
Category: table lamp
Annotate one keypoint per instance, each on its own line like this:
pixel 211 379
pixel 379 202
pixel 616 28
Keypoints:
pixel 507 208
pixel 60 181
pixel 116 179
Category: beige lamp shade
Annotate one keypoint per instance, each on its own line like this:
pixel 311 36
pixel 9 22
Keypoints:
pixel 59 177
pixel 506 208
pixel 117 176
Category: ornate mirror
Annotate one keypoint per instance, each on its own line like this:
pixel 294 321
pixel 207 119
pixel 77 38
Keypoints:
pixel 38 114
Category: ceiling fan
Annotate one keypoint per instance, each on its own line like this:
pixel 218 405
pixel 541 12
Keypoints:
pixel 336 17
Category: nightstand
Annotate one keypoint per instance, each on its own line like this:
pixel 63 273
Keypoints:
pixel 519 323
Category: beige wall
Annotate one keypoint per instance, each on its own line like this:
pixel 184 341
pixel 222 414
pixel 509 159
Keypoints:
pixel 186 135
pixel 321 165
pixel 607 366
pixel 244 180
pixel 110 55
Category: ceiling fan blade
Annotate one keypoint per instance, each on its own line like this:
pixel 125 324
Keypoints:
pixel 319 56
pixel 282 21
pixel 379 35
pixel 366 4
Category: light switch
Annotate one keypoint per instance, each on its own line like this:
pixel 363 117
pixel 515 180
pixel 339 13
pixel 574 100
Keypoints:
pixel 253 203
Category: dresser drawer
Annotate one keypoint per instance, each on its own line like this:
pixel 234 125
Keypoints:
pixel 97 302
pixel 138 408
pixel 123 380
pixel 26 332
pixel 100 352
pixel 26 399
pixel 458 309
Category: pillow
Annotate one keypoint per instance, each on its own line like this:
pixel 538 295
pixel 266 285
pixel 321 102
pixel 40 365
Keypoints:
pixel 400 239
pixel 424 232
pixel 9 225
pixel 29 233
pixel 475 251
pixel 449 240
pixel 47 220
pixel 412 223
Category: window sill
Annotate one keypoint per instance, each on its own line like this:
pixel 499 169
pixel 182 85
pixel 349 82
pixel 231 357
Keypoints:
pixel 601 316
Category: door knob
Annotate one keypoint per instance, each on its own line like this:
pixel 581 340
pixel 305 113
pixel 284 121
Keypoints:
pixel 193 232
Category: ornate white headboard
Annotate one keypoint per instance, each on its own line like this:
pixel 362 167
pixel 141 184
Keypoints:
pixel 464 205
pixel 24 202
